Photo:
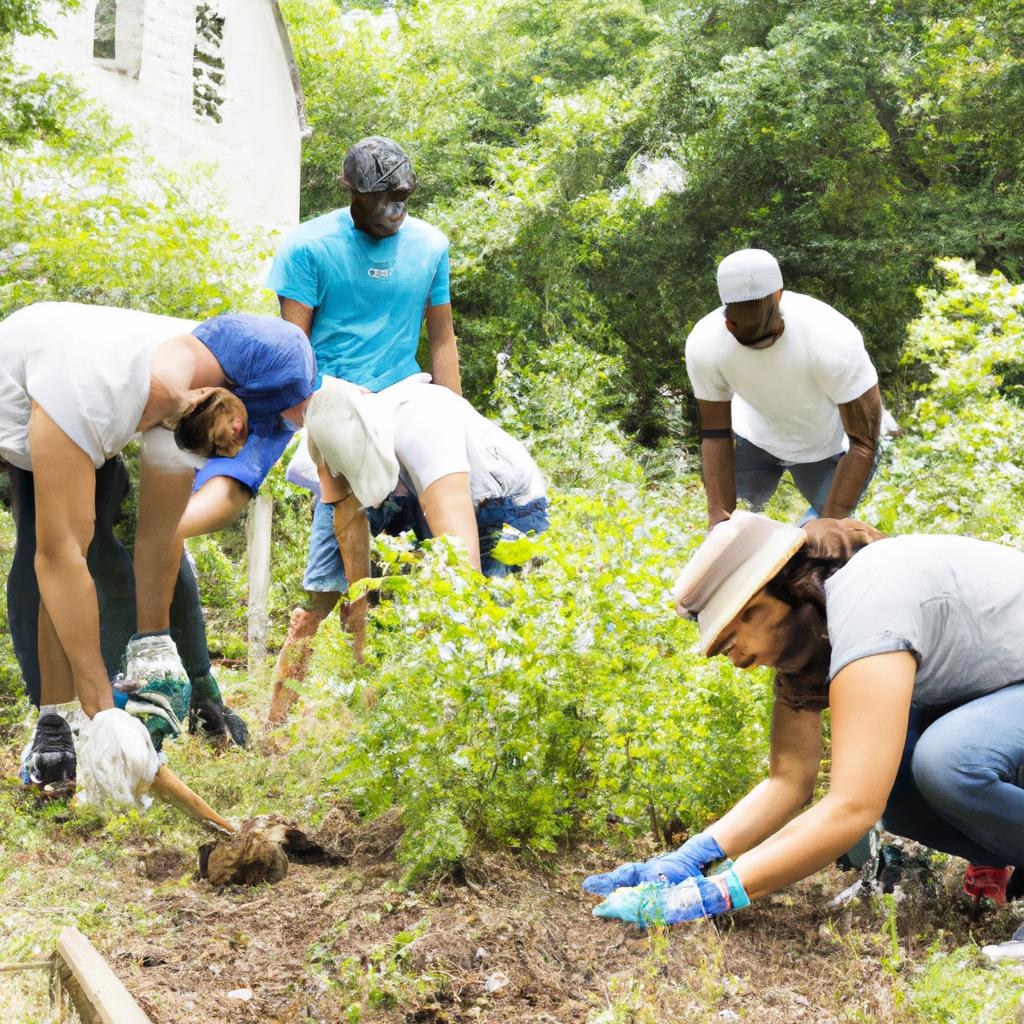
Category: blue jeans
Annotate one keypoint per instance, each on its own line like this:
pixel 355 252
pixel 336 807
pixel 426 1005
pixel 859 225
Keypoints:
pixel 960 785
pixel 758 474
pixel 325 572
pixel 493 514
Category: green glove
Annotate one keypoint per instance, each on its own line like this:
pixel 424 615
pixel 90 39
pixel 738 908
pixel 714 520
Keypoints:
pixel 157 684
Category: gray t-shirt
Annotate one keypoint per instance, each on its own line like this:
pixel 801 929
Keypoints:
pixel 956 604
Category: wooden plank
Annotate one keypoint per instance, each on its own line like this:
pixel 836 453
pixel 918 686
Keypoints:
pixel 257 533
pixel 98 994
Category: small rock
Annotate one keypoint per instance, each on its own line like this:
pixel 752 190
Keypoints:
pixel 728 1015
pixel 495 982
pixel 480 953
pixel 244 994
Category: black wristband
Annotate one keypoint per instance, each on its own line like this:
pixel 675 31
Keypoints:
pixel 723 433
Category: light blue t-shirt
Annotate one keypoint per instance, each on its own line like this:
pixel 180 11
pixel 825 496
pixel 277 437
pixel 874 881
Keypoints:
pixel 368 295
pixel 955 603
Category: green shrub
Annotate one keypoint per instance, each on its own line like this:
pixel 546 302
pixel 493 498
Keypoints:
pixel 959 468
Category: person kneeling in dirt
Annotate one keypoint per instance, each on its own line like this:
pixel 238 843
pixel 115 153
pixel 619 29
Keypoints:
pixel 916 644
pixel 79 382
pixel 506 486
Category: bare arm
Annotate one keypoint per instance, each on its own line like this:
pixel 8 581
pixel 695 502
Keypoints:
pixel 718 459
pixel 862 421
pixel 218 503
pixel 163 496
pixel 296 313
pixel 793 769
pixel 65 493
pixel 444 349
pixel 870 701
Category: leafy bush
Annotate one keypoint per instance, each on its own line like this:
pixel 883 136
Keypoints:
pixel 960 466
pixel 89 218
pixel 570 697
pixel 950 989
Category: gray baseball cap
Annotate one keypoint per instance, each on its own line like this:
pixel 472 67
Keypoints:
pixel 377 164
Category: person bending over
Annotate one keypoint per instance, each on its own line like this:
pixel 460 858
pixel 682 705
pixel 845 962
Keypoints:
pixel 790 375
pixel 916 645
pixel 79 382
pixel 505 484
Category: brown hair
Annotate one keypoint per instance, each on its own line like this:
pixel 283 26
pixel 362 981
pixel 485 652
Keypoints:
pixel 800 583
pixel 194 432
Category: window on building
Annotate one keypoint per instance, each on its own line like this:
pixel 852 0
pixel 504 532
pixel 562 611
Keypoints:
pixel 208 64
pixel 103 30
pixel 117 35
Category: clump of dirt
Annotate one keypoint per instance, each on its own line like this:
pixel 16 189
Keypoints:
pixel 258 852
pixel 344 835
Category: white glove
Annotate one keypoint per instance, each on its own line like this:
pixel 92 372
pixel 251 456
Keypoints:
pixel 116 760
pixel 153 656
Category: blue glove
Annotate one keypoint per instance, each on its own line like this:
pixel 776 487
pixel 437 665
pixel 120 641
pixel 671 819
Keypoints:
pixel 651 903
pixel 690 859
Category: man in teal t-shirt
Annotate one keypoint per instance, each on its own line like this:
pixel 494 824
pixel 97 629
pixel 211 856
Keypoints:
pixel 360 281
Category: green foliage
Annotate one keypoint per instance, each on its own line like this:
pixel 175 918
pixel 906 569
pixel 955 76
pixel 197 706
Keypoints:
pixel 951 989
pixel 567 698
pixel 30 105
pixel 960 466
pixel 90 219
pixel 858 142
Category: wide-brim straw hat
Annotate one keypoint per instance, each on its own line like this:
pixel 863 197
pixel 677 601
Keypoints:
pixel 737 558
pixel 348 434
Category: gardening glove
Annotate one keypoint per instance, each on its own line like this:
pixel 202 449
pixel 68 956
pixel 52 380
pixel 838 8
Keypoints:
pixel 209 714
pixel 117 761
pixel 157 684
pixel 690 859
pixel 697 897
pixel 837 538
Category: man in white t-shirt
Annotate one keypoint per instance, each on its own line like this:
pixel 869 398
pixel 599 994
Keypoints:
pixel 790 375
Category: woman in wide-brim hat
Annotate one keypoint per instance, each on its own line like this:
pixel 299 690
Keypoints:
pixel 916 644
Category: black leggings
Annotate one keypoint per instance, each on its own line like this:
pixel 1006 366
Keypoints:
pixel 111 568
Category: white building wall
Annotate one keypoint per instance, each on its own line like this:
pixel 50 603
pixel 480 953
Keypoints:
pixel 255 150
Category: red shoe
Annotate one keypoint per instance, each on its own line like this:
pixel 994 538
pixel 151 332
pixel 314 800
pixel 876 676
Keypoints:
pixel 983 882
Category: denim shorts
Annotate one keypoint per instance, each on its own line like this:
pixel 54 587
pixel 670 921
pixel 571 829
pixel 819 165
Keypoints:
pixel 493 514
pixel 252 464
pixel 325 572
pixel 324 569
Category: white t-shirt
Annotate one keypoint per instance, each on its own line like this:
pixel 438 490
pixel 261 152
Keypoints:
pixel 436 433
pixel 784 397
pixel 88 367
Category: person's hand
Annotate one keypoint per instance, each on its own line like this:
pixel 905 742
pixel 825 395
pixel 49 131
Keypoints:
pixel 697 897
pixel 157 684
pixel 690 859
pixel 117 761
pixel 837 538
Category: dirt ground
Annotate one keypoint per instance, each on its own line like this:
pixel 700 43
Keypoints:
pixel 500 944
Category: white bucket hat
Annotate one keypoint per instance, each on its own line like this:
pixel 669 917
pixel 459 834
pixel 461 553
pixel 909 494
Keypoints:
pixel 347 433
pixel 738 557
pixel 748 274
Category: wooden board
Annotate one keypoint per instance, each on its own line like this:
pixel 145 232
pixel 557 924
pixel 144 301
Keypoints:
pixel 98 994
pixel 257 532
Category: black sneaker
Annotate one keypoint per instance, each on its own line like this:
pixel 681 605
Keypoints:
pixel 219 723
pixel 49 761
